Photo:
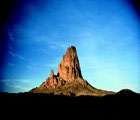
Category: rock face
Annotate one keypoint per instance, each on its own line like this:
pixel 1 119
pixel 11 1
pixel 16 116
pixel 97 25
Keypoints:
pixel 69 79
pixel 69 68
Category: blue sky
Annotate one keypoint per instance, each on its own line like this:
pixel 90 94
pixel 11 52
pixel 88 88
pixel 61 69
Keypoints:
pixel 105 33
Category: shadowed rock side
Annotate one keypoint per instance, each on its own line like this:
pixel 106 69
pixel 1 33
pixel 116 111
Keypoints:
pixel 69 80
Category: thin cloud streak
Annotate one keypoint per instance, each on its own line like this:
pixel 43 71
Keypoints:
pixel 11 36
pixel 21 84
pixel 16 55
pixel 20 87
pixel 11 64
pixel 30 67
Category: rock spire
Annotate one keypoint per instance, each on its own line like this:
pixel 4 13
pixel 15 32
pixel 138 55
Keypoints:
pixel 69 68
pixel 69 80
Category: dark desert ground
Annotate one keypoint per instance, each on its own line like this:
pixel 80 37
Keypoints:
pixel 122 105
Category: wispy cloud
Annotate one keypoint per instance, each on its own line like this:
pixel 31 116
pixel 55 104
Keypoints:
pixel 55 63
pixel 11 36
pixel 10 80
pixel 90 62
pixel 52 43
pixel 20 87
pixel 5 80
pixel 34 64
pixel 16 55
pixel 55 45
pixel 11 64
pixel 24 80
pixel 30 67
pixel 19 84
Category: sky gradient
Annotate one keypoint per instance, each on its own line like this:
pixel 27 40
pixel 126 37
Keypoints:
pixel 106 34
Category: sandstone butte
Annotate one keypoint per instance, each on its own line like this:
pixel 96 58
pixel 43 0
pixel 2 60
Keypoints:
pixel 69 80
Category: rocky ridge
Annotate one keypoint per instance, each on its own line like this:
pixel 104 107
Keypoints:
pixel 69 80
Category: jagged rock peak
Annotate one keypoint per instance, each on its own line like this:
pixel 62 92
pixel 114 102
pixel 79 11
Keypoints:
pixel 71 50
pixel 69 68
pixel 69 80
pixel 52 73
